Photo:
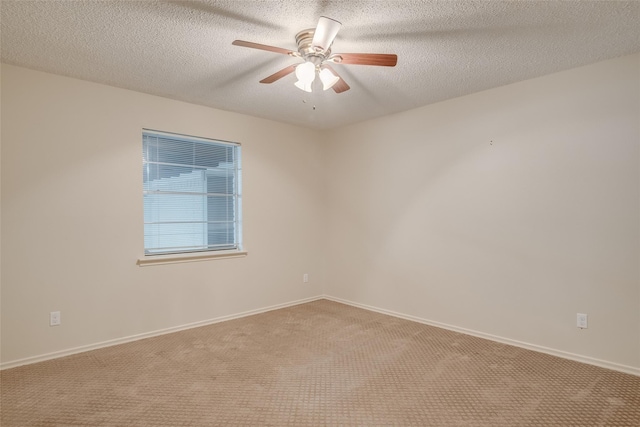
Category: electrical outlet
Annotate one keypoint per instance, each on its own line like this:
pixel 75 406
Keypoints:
pixel 582 321
pixel 54 318
pixel 305 278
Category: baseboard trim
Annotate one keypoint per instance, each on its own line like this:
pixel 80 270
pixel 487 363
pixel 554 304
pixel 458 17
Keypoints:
pixel 124 340
pixel 559 353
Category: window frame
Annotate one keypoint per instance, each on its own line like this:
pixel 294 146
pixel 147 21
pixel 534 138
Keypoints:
pixel 205 252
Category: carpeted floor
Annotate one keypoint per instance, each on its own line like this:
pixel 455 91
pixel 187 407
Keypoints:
pixel 317 364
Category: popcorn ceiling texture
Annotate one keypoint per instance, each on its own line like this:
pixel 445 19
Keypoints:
pixel 182 49
pixel 317 364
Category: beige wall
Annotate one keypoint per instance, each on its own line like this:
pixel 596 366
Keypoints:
pixel 72 216
pixel 505 212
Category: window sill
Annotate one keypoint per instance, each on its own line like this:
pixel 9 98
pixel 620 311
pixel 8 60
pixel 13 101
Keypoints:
pixel 191 257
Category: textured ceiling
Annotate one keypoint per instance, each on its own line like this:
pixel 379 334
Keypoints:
pixel 182 49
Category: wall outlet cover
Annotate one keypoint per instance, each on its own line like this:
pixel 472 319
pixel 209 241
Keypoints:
pixel 582 321
pixel 54 318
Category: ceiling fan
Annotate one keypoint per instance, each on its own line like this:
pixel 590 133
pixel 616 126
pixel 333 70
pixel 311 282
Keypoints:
pixel 314 47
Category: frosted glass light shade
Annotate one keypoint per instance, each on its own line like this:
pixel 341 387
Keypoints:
pixel 325 32
pixel 328 78
pixel 306 72
pixel 305 86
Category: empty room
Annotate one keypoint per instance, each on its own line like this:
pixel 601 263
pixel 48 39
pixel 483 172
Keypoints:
pixel 320 213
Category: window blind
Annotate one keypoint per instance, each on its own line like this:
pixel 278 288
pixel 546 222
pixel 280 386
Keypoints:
pixel 192 194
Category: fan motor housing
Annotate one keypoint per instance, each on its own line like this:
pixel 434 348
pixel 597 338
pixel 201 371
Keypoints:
pixel 304 39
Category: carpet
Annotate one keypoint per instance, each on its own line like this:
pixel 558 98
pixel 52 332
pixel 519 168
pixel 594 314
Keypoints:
pixel 317 364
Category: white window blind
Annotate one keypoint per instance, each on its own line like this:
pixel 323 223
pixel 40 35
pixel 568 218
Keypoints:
pixel 192 194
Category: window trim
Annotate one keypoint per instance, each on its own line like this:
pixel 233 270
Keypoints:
pixel 201 254
pixel 149 260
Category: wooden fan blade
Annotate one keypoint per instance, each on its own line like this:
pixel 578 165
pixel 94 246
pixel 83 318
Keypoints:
pixel 341 85
pixel 262 47
pixel 380 59
pixel 280 74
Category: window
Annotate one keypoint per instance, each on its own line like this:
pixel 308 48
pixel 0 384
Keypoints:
pixel 192 194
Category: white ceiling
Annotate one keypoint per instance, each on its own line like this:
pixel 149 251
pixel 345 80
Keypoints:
pixel 182 49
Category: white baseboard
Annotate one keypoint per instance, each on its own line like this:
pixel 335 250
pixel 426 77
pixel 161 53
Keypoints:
pixel 123 340
pixel 571 356
pixel 559 353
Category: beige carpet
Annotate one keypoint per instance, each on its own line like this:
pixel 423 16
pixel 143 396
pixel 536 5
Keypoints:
pixel 317 364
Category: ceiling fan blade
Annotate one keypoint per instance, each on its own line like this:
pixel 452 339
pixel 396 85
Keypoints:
pixel 280 74
pixel 341 85
pixel 380 59
pixel 262 47
pixel 325 33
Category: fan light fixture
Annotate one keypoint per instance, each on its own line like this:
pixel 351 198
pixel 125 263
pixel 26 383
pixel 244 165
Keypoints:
pixel 324 34
pixel 305 86
pixel 314 47
pixel 328 78
pixel 306 74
